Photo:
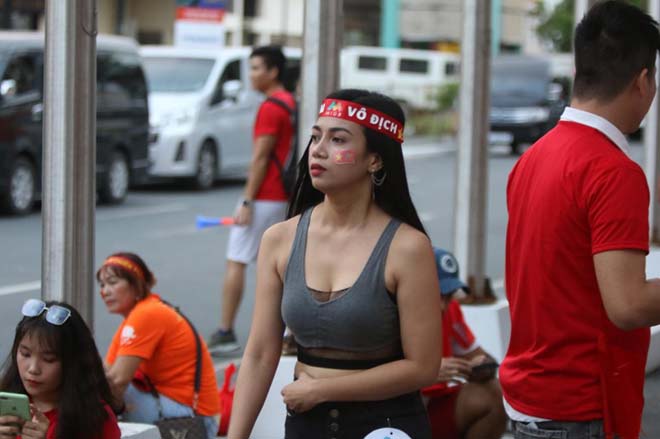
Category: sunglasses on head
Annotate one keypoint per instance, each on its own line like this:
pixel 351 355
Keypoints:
pixel 55 314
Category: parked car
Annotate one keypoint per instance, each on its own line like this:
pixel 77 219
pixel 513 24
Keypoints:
pixel 202 110
pixel 526 100
pixel 122 119
pixel 412 77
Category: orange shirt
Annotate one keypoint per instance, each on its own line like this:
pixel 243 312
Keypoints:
pixel 156 333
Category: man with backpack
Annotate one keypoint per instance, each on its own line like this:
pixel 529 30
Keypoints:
pixel 265 196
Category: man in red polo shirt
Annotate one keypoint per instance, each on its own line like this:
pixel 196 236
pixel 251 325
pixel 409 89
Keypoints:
pixel 577 239
pixel 264 199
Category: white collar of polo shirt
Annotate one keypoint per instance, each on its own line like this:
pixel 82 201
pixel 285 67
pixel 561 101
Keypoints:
pixel 599 123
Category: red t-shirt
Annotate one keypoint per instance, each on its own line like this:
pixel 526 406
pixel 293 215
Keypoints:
pixel 110 428
pixel 572 195
pixel 457 341
pixel 274 120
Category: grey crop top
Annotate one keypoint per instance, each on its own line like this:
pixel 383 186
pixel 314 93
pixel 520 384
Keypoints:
pixel 364 320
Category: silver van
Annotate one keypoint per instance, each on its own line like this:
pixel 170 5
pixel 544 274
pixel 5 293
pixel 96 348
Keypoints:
pixel 202 110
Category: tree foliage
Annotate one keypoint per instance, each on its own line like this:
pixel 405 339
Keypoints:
pixel 556 26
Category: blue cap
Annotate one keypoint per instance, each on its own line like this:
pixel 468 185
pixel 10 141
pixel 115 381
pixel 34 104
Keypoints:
pixel 447 266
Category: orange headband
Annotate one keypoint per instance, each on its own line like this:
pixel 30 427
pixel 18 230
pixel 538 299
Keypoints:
pixel 119 261
pixel 365 116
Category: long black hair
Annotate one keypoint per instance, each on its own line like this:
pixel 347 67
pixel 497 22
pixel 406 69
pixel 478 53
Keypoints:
pixel 393 195
pixel 84 389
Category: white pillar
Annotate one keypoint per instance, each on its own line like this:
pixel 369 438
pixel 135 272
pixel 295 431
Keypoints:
pixel 69 180
pixel 239 7
pixel 652 159
pixel 322 40
pixel 472 164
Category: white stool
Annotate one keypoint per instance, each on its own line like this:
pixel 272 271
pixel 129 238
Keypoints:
pixel 138 431
pixel 270 423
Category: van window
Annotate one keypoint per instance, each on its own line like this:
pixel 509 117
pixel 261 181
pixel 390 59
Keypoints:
pixel 177 75
pixel 22 68
pixel 372 63
pixel 232 72
pixel 120 81
pixel 408 65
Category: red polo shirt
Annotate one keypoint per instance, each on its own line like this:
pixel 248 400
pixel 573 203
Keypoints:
pixel 572 195
pixel 274 120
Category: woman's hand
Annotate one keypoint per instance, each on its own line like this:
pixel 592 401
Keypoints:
pixel 454 369
pixel 301 395
pixel 37 427
pixel 10 426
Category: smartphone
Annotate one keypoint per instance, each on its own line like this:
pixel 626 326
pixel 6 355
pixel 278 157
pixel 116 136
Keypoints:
pixel 15 404
pixel 483 371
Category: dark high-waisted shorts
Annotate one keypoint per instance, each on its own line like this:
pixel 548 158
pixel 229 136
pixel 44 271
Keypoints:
pixel 355 420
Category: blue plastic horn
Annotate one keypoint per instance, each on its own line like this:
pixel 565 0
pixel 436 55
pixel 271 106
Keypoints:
pixel 207 221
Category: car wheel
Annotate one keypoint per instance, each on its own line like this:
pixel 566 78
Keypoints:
pixel 19 199
pixel 206 167
pixel 116 182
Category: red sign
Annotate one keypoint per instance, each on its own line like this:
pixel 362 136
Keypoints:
pixel 200 14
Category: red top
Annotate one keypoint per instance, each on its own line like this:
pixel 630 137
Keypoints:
pixel 110 428
pixel 457 340
pixel 273 120
pixel 570 196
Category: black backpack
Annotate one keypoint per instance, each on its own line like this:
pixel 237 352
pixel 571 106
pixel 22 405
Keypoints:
pixel 288 169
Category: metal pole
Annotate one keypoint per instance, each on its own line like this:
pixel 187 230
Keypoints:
pixel 322 40
pixel 581 8
pixel 69 183
pixel 652 159
pixel 390 11
pixel 239 11
pixel 472 172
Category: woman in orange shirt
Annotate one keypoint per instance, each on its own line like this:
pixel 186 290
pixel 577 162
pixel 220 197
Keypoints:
pixel 156 342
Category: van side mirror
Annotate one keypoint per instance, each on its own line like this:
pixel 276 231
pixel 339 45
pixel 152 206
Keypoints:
pixel 8 88
pixel 231 89
pixel 555 92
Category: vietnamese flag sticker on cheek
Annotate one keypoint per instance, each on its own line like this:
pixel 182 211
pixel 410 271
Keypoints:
pixel 344 157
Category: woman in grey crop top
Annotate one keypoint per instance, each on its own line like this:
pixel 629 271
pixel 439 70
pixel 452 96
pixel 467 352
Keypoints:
pixel 352 274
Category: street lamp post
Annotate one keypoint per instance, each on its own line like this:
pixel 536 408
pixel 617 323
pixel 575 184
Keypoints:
pixel 472 163
pixel 652 159
pixel 322 40
pixel 69 187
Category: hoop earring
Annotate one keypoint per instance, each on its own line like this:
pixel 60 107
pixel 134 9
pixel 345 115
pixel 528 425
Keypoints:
pixel 378 181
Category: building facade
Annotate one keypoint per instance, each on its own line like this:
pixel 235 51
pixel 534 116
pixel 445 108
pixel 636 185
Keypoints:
pixel 427 24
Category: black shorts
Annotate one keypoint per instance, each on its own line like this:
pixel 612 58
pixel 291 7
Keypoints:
pixel 355 420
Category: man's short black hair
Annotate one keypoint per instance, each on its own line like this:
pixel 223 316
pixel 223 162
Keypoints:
pixel 614 42
pixel 273 57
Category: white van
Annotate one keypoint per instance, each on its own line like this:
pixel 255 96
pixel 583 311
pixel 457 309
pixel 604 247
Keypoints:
pixel 202 110
pixel 412 77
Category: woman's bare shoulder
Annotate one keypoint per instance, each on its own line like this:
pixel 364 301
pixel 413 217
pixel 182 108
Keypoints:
pixel 409 243
pixel 280 233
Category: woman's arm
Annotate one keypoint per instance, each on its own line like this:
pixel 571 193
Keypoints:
pixel 121 373
pixel 264 346
pixel 411 269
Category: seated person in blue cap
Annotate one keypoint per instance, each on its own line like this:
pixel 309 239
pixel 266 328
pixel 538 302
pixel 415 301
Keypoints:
pixel 466 401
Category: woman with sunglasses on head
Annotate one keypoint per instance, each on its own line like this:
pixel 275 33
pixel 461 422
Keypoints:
pixel 55 362
pixel 352 275
pixel 154 351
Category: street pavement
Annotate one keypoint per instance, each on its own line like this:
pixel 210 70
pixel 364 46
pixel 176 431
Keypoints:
pixel 158 222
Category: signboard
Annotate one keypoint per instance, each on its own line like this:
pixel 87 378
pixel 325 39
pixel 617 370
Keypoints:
pixel 210 4
pixel 199 27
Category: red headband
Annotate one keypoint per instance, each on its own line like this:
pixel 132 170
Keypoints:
pixel 119 261
pixel 365 116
